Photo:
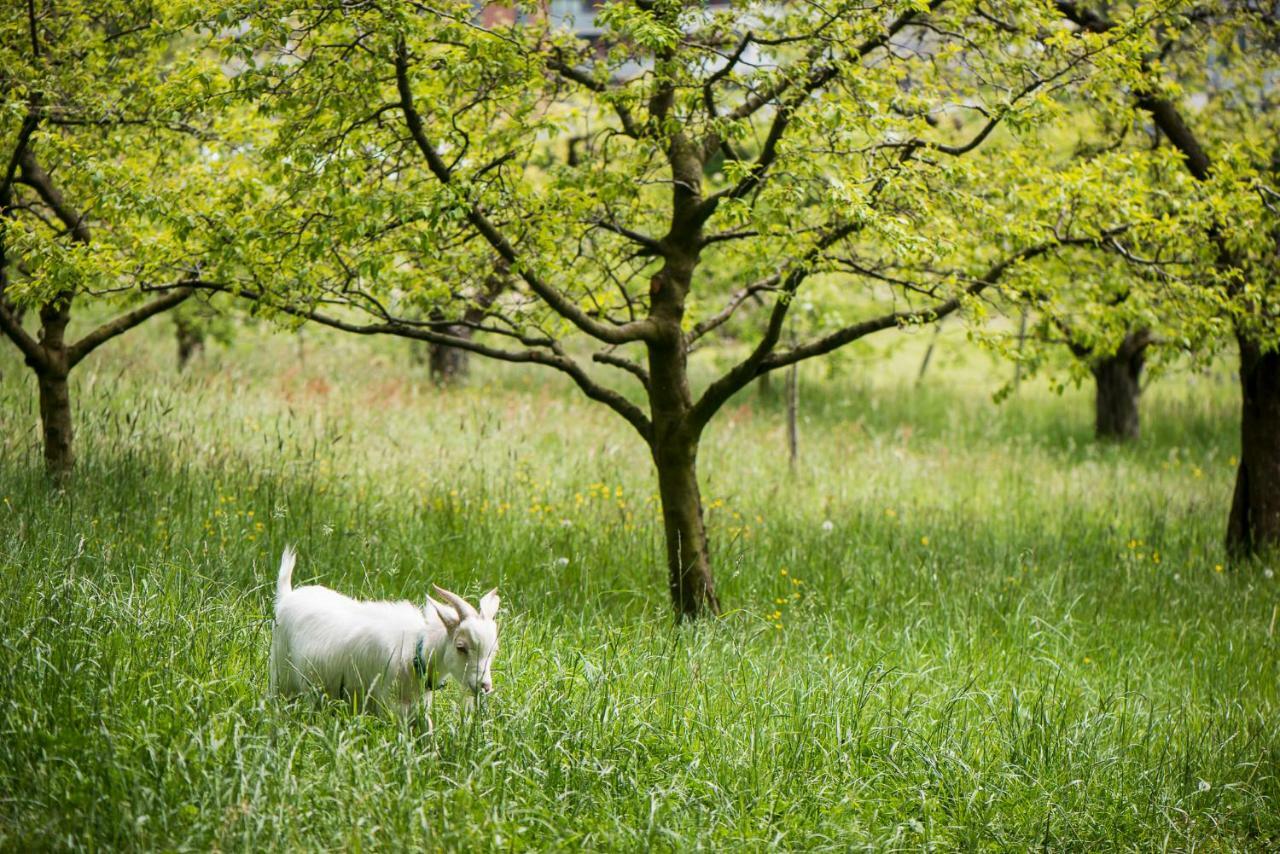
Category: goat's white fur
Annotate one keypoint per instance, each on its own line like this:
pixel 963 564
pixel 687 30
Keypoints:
pixel 345 648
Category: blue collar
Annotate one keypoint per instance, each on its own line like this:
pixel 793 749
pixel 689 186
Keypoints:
pixel 422 664
pixel 419 663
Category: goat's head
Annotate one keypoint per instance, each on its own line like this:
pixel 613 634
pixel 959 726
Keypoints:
pixel 473 638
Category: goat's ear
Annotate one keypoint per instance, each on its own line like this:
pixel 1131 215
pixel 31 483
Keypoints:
pixel 446 613
pixel 489 604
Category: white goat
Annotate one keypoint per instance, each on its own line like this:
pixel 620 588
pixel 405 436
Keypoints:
pixel 383 653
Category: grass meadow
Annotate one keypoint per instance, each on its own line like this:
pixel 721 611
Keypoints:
pixel 955 625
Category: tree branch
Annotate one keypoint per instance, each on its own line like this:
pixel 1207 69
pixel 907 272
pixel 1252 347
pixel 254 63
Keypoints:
pixel 609 333
pixel 1162 111
pixel 31 349
pixel 815 79
pixel 627 365
pixel 29 122
pixel 742 373
pixel 994 273
pixel 124 323
pixel 737 299
pixel 577 75
pixel 558 360
pixel 38 179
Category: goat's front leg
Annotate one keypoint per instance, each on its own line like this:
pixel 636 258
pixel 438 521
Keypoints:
pixel 431 728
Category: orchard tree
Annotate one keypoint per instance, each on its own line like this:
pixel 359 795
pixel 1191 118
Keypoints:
pixel 103 139
pixel 1206 83
pixel 642 188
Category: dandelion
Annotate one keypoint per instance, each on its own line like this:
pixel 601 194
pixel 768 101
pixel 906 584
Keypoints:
pixel 562 561
pixel 778 601
pixel 890 512
pixel 924 541
pixel 1232 461
pixel 1133 544
pixel 1217 567
pixel 1204 785
pixel 828 526
pixel 1155 557
pixel 782 571
pixel 1268 573
pixel 1088 660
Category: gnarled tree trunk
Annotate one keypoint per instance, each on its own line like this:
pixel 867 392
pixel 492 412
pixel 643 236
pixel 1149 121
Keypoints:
pixel 1118 385
pixel 1254 523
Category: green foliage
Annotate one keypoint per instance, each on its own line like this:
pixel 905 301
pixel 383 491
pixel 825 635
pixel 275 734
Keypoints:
pixel 352 211
pixel 116 102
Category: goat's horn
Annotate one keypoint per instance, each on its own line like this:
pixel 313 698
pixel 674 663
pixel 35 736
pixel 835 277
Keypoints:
pixel 462 606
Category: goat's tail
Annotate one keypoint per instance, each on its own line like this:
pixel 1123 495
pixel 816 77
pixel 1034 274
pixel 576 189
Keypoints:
pixel 284 581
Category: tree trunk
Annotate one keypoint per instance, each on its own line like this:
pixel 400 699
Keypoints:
pixel 674 443
pixel 190 338
pixel 1116 398
pixel 449 365
pixel 55 396
pixel 1118 385
pixel 55 419
pixel 928 353
pixel 793 414
pixel 764 385
pixel 1254 523
pixel 688 563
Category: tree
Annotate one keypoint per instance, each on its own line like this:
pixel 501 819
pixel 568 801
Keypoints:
pixel 1226 53
pixel 761 149
pixel 102 130
pixel 447 364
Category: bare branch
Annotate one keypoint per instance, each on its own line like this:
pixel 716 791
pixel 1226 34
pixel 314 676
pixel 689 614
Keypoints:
pixel 994 273
pixel 607 358
pixel 124 323
pixel 651 244
pixel 742 373
pixel 737 299
pixel 402 329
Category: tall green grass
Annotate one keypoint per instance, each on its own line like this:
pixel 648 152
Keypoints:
pixel 955 624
